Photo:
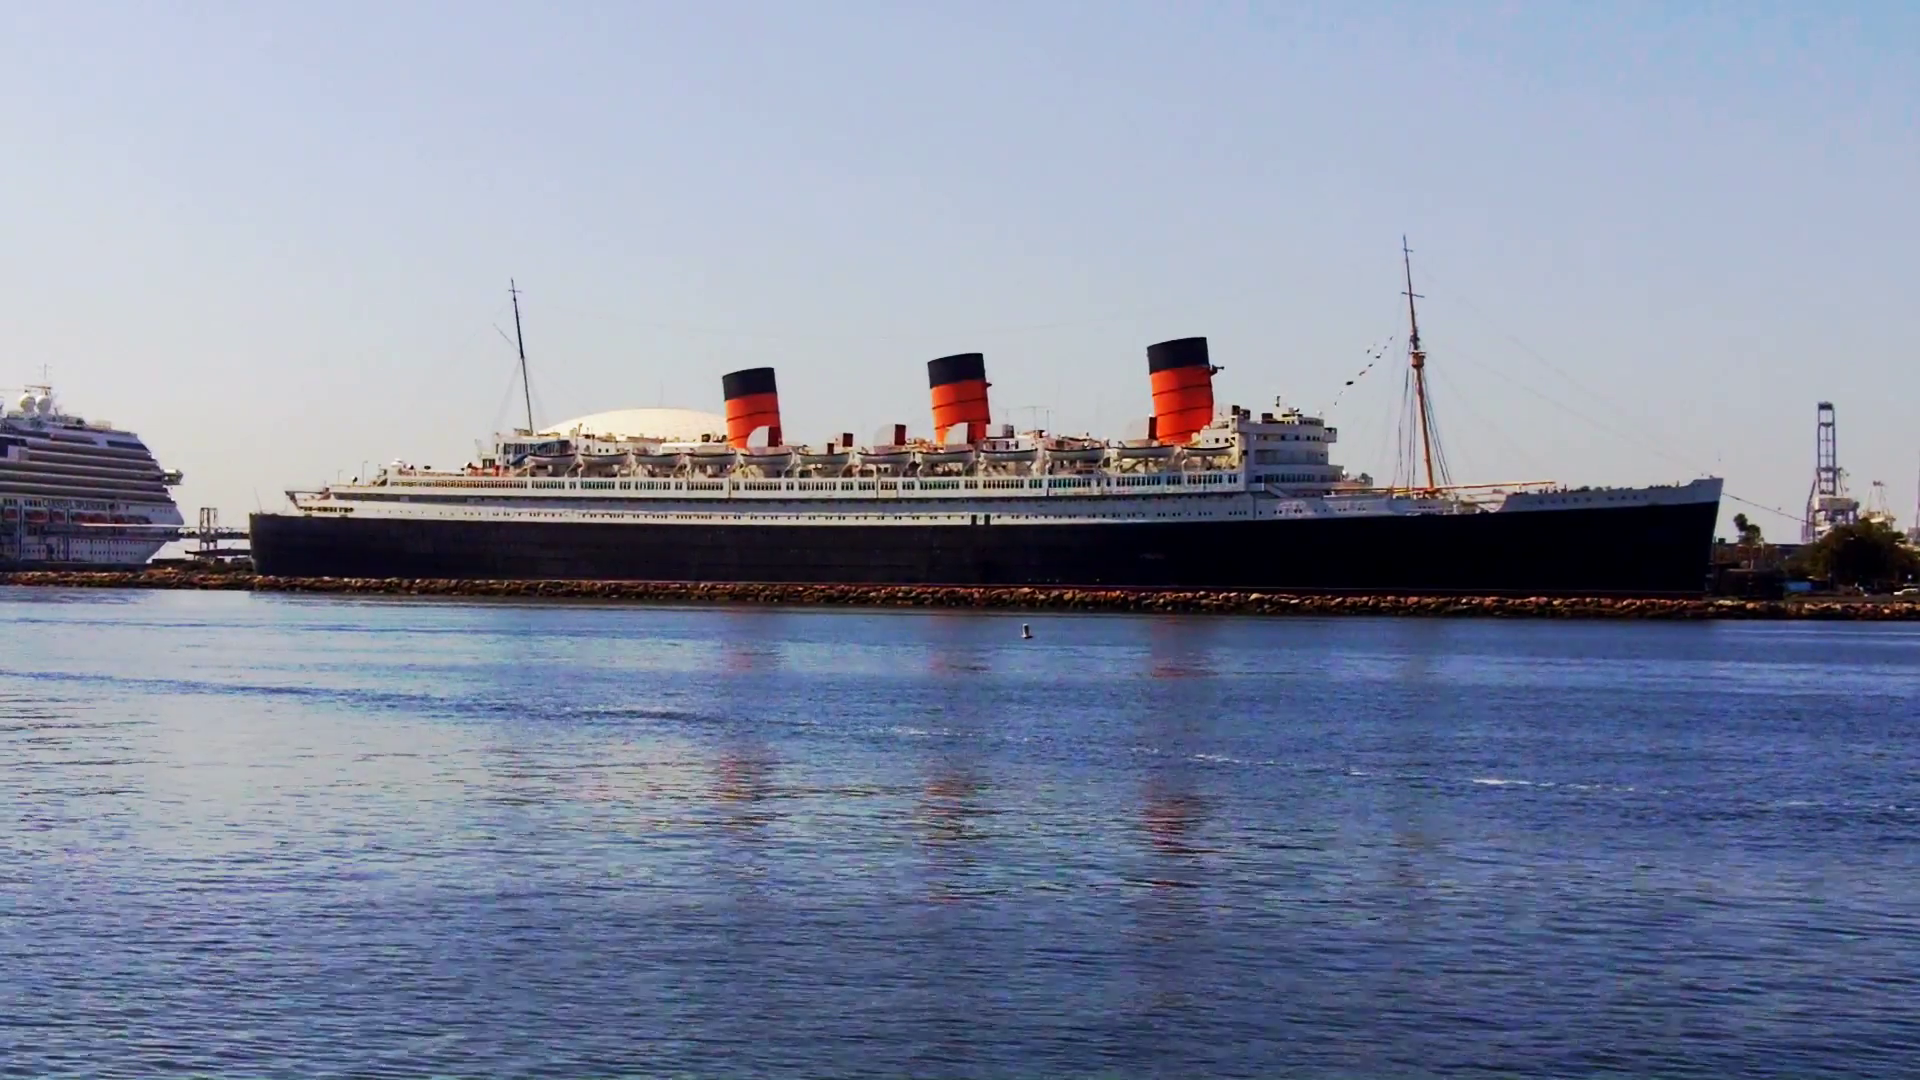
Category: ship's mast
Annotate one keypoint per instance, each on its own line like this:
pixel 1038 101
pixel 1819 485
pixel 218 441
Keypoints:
pixel 1419 361
pixel 526 388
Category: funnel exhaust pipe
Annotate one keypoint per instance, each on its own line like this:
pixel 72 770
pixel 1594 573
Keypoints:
pixel 753 402
pixel 958 386
pixel 1182 378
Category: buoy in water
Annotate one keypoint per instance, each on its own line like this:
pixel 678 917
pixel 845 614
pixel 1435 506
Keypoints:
pixel 1026 631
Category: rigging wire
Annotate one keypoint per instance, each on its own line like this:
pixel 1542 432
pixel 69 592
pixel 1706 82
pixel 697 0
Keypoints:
pixel 1797 519
pixel 1604 428
pixel 1443 463
pixel 1440 473
pixel 1465 401
pixel 1415 450
pixel 1542 359
pixel 1403 434
pixel 506 397
pixel 1133 312
pixel 1646 437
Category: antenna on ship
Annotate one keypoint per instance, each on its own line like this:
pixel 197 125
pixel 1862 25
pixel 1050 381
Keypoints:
pixel 526 388
pixel 1417 357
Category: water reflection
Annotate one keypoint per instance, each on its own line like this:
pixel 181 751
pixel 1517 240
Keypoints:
pixel 953 778
pixel 1418 736
pixel 70 770
pixel 743 787
pixel 1181 648
pixel 1178 711
pixel 745 764
pixel 950 813
pixel 1173 727
pixel 1172 816
pixel 1113 815
pixel 750 642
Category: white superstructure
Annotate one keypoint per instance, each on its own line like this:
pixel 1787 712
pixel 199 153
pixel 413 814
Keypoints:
pixel 76 492
pixel 607 469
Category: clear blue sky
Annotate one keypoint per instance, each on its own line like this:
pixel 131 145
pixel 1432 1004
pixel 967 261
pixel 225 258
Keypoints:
pixel 275 238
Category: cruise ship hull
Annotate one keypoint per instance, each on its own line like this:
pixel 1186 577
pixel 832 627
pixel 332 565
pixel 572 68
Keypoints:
pixel 1650 551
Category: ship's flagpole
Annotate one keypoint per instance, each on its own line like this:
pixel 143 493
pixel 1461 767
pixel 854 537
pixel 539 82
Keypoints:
pixel 526 388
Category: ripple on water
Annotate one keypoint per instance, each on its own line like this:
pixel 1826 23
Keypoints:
pixel 250 836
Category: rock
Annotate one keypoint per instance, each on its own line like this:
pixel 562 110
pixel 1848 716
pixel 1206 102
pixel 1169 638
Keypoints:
pixel 993 597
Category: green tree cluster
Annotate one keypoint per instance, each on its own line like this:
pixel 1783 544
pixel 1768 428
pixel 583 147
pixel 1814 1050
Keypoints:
pixel 1868 554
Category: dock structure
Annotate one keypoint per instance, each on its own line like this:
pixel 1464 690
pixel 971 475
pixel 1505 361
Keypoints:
pixel 208 534
pixel 60 541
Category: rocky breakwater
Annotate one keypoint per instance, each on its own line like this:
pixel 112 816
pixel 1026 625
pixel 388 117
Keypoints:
pixel 1020 599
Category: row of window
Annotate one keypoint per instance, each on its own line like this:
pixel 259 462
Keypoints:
pixel 1056 483
pixel 894 519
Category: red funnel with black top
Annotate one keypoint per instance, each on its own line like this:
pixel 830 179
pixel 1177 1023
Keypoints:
pixel 753 403
pixel 1182 379
pixel 959 388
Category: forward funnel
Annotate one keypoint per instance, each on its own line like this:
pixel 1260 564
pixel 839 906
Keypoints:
pixel 1182 380
pixel 752 403
pixel 959 388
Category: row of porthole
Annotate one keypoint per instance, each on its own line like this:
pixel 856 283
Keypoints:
pixel 930 520
pixel 1057 483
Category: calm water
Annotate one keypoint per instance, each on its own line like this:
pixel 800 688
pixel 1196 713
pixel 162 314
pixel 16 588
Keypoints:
pixel 251 836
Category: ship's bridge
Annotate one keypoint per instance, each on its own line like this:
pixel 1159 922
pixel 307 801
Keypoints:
pixel 1288 448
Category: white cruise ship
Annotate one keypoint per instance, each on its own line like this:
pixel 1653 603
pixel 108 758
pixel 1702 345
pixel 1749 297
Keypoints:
pixel 78 494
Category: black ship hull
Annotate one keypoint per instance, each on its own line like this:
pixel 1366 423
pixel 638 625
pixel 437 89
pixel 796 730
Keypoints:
pixel 1639 551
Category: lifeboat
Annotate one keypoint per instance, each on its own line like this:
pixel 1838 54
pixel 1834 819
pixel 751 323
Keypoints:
pixel 1208 452
pixel 1144 452
pixel 656 460
pixel 36 516
pixel 711 456
pixel 554 454
pixel 604 463
pixel 957 455
pixel 1010 454
pixel 767 457
pixel 11 513
pixel 886 455
pixel 1078 452
pixel 829 459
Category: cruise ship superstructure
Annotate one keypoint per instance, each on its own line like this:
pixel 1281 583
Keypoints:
pixel 1213 498
pixel 78 494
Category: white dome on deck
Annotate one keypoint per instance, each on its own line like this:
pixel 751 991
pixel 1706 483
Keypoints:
pixel 673 425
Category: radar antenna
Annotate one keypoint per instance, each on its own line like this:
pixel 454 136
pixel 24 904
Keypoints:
pixel 526 388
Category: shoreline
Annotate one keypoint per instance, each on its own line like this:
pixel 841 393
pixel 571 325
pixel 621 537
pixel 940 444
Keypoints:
pixel 1007 598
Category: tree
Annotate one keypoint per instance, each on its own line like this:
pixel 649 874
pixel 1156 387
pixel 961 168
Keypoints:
pixel 1868 554
pixel 1748 530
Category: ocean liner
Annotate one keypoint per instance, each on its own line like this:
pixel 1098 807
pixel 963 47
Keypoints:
pixel 76 494
pixel 1212 498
